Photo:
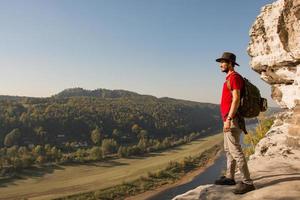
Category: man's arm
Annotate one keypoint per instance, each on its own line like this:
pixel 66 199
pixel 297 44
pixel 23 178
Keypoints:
pixel 236 95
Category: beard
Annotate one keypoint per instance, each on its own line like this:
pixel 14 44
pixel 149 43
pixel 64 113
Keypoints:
pixel 225 70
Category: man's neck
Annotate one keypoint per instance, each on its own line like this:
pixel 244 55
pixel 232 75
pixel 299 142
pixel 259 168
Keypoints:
pixel 230 71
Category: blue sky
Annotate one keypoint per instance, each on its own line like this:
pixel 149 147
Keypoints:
pixel 157 47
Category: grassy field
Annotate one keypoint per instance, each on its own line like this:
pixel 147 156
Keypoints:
pixel 65 180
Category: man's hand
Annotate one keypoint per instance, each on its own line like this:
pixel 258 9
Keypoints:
pixel 227 125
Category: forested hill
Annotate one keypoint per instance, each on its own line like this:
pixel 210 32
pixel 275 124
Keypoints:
pixel 73 114
pixel 104 93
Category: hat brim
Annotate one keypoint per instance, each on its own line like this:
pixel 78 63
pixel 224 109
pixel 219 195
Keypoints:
pixel 220 59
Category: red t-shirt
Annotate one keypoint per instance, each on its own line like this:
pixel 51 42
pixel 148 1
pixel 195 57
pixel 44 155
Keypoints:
pixel 236 83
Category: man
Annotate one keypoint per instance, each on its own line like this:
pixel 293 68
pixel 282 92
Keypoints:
pixel 231 94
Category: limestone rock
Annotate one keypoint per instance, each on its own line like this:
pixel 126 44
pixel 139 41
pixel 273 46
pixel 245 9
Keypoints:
pixel 293 137
pixel 274 143
pixel 274 49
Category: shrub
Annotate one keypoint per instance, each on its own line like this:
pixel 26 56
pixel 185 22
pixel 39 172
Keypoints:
pixel 253 137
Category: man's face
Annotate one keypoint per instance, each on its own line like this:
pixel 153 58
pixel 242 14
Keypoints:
pixel 224 66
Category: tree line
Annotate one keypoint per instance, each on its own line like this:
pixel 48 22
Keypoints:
pixel 55 121
pixel 90 128
pixel 15 158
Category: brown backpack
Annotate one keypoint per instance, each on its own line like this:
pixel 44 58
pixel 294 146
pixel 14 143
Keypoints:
pixel 251 103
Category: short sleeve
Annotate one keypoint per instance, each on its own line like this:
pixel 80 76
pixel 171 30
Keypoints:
pixel 236 82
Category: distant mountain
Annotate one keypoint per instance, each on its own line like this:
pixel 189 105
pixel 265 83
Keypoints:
pixel 73 114
pixel 103 93
pixel 7 97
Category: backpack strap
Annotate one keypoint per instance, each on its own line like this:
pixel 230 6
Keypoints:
pixel 228 85
pixel 228 81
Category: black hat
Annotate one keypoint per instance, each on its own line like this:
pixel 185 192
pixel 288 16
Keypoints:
pixel 229 57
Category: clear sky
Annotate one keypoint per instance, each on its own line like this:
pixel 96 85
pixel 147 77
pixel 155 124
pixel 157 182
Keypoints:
pixel 157 47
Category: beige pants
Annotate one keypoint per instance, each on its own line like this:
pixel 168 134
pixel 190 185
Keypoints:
pixel 234 154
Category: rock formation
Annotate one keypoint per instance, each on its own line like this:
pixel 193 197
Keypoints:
pixel 274 49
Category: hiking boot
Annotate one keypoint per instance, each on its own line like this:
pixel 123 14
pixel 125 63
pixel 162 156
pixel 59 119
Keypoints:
pixel 243 188
pixel 225 181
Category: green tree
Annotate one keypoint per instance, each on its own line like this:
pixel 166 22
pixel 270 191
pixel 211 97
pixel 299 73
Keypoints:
pixel 27 160
pixel 166 142
pixel 136 129
pixel 22 151
pixel 80 155
pixel 12 151
pixel 54 154
pixel 95 153
pixel 40 160
pixel 109 146
pixel 116 134
pixel 49 156
pixel 12 137
pixel 142 145
pixel 40 133
pixel 143 134
pixel 122 152
pixel 16 163
pixel 38 150
pixel 96 136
